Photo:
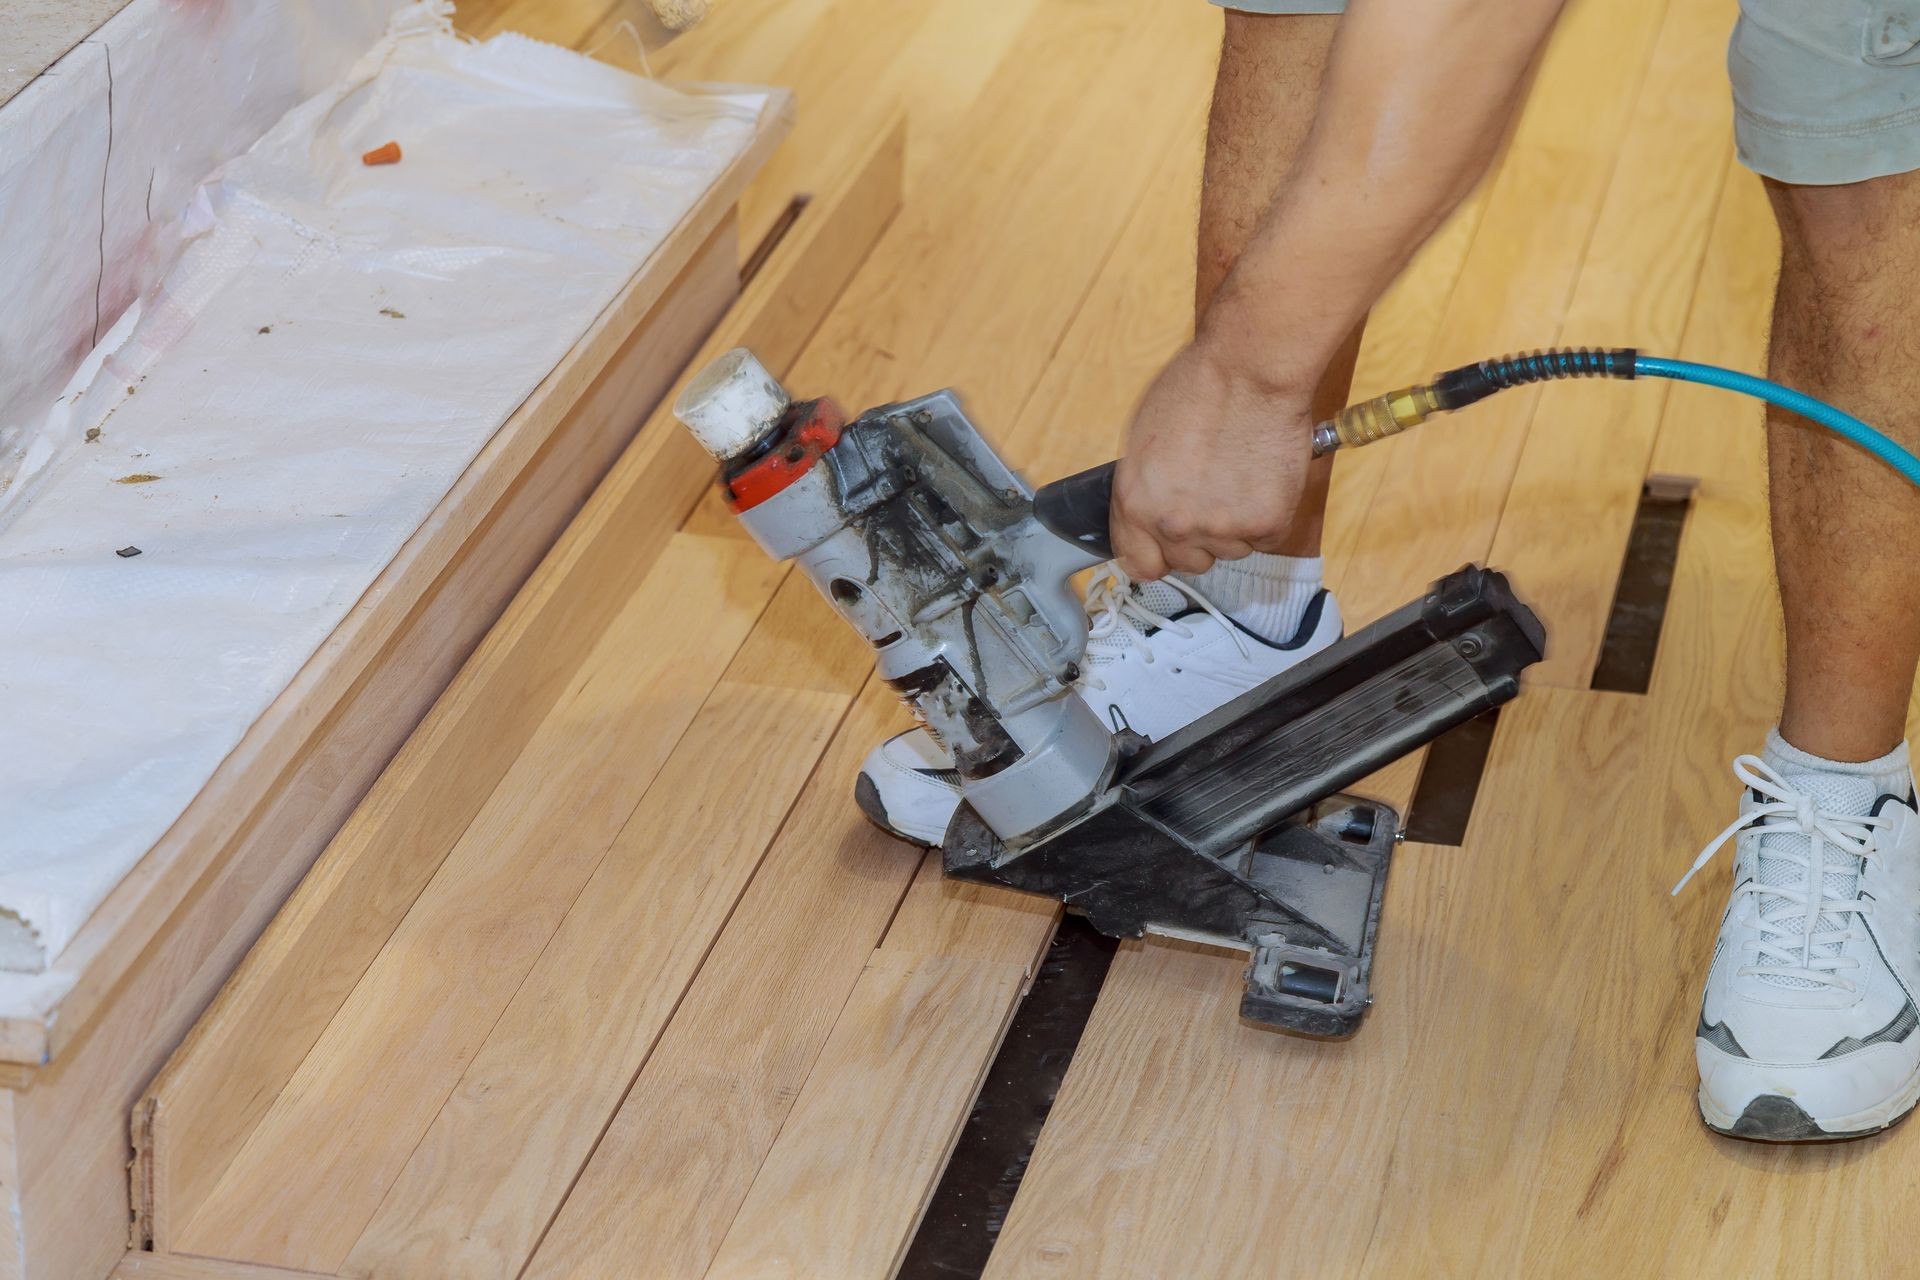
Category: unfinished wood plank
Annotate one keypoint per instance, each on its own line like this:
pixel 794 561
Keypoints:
pixel 680 1154
pixel 1639 1177
pixel 221 1081
pixel 312 1172
pixel 966 920
pixel 1137 314
pixel 175 1266
pixel 1468 1152
pixel 1398 348
pixel 841 59
pixel 1445 485
pixel 837 1194
pixel 1184 1139
pixel 1050 201
pixel 485 1181
pixel 1569 510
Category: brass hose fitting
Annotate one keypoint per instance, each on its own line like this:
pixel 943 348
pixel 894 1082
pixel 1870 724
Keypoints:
pixel 1376 419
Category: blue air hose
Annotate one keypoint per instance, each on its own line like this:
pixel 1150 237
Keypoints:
pixel 1394 412
pixel 1838 421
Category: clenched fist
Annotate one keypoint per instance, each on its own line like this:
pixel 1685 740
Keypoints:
pixel 1215 467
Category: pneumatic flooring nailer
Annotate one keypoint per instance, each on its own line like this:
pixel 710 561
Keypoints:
pixel 1230 831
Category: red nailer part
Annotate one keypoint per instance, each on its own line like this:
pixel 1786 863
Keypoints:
pixel 816 430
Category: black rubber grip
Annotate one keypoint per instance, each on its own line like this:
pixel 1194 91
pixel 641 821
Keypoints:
pixel 1469 384
pixel 1076 508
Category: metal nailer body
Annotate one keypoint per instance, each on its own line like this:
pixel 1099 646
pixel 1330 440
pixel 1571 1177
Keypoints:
pixel 910 524
pixel 1230 831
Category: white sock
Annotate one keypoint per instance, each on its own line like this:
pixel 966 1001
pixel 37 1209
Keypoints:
pixel 1266 594
pixel 1890 775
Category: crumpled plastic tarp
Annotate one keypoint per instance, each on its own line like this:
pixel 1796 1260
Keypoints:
pixel 268 425
pixel 99 155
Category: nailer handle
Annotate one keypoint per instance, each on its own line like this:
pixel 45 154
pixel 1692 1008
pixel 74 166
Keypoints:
pixel 1077 508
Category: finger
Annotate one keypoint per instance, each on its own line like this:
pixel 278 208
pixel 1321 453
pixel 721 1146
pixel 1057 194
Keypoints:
pixel 1138 554
pixel 1228 548
pixel 1188 558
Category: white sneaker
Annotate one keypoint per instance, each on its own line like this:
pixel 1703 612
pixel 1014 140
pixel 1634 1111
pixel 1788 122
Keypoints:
pixel 1159 656
pixel 1806 1030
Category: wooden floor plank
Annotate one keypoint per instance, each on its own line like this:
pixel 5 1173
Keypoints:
pixel 679 1156
pixel 478 1192
pixel 846 1182
pixel 174 1266
pixel 842 59
pixel 1445 485
pixel 1469 1153
pixel 1499 266
pixel 1135 316
pixel 1177 1125
pixel 1563 533
pixel 368 1090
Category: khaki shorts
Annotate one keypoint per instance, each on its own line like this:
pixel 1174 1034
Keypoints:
pixel 1824 91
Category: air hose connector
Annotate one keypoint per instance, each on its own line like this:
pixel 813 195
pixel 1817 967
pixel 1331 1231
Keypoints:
pixel 1390 414
pixel 1378 418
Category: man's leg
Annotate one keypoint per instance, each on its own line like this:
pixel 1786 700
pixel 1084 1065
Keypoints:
pixel 1808 1027
pixel 1846 529
pixel 1263 103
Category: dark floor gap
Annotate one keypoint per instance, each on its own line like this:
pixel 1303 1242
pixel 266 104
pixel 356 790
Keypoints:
pixel 771 241
pixel 1450 781
pixel 968 1208
pixel 1639 610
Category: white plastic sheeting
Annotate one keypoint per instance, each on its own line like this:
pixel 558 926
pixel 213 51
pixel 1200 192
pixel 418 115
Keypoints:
pixel 99 155
pixel 268 425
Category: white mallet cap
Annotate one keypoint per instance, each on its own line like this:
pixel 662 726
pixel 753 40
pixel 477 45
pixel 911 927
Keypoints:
pixel 731 403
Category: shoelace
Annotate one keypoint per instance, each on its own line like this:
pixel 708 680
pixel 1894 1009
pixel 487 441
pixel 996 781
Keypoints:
pixel 1786 947
pixel 1114 610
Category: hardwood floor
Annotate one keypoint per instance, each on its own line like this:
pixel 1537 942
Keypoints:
pixel 669 1007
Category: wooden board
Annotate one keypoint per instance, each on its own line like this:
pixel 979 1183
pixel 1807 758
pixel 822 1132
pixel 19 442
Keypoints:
pixel 845 1183
pixel 363 1097
pixel 479 1189
pixel 1444 486
pixel 240 1056
pixel 1563 531
pixel 174 1266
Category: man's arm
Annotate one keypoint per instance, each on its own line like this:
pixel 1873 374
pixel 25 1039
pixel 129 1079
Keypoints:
pixel 1416 97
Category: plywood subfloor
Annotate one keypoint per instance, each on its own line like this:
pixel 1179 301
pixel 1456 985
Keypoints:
pixel 672 1008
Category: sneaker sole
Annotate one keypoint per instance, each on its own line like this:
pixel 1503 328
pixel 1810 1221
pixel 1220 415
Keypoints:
pixel 867 796
pixel 1774 1118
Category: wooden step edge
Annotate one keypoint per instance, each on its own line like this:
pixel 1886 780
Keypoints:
pixel 630 517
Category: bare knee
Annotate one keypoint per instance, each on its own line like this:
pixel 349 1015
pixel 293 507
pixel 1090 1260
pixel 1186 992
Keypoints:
pixel 1848 255
pixel 1859 230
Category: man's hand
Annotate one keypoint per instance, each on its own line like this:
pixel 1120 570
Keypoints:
pixel 1215 465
